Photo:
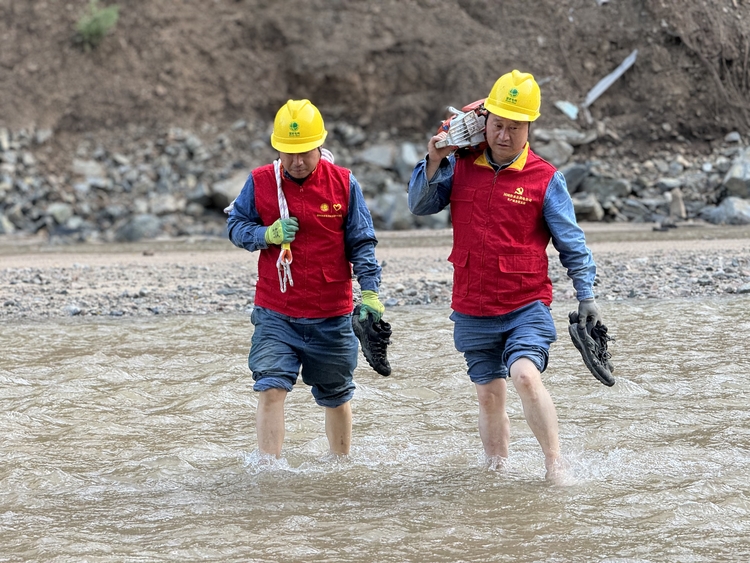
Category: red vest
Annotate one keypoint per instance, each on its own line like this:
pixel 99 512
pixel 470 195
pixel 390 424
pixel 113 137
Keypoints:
pixel 500 236
pixel 320 269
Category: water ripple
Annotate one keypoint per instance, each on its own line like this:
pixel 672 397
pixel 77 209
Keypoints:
pixel 134 440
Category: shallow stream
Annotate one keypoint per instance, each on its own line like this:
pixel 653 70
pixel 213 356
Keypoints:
pixel 133 440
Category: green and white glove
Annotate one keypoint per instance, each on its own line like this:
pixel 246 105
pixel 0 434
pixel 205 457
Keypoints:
pixel 371 304
pixel 282 231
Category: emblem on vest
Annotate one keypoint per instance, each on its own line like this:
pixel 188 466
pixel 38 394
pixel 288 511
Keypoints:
pixel 517 196
pixel 325 210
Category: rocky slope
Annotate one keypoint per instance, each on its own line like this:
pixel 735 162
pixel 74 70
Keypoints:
pixel 139 136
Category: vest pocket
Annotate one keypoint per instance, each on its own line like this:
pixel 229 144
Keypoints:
pixel 336 292
pixel 520 272
pixel 459 257
pixel 462 205
pixel 521 264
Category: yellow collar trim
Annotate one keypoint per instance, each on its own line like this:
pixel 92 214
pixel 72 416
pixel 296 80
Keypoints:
pixel 517 164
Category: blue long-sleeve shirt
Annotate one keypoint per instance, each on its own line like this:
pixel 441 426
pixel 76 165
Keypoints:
pixel 431 195
pixel 246 230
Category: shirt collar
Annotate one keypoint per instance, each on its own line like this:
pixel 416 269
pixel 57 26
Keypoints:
pixel 517 163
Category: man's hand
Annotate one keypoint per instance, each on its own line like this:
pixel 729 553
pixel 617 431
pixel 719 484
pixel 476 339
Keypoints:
pixel 587 312
pixel 282 231
pixel 371 304
pixel 436 155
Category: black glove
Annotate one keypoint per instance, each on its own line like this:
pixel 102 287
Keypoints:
pixel 588 312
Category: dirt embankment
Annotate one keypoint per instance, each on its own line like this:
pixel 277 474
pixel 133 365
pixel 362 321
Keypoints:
pixel 390 66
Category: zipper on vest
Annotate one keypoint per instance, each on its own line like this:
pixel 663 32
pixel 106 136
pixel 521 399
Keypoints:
pixel 486 227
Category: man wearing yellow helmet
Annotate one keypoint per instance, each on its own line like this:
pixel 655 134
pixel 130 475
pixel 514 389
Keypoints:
pixel 506 205
pixel 308 219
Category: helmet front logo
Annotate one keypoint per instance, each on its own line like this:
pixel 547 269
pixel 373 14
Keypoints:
pixel 293 129
pixel 512 95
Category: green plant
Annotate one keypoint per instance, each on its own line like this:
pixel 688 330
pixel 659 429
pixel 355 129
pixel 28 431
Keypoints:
pixel 96 23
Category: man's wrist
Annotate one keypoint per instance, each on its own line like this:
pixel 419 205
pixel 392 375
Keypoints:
pixel 263 242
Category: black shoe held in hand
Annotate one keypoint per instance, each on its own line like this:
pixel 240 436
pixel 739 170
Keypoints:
pixel 374 338
pixel 592 344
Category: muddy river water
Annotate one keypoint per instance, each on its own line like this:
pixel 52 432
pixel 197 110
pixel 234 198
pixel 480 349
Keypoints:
pixel 133 440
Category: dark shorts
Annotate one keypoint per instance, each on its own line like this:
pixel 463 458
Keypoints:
pixel 325 349
pixel 491 344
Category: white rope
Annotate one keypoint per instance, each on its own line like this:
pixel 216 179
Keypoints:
pixel 284 261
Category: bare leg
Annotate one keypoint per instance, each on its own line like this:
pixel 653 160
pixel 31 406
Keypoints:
pixel 339 428
pixel 494 425
pixel 269 421
pixel 539 411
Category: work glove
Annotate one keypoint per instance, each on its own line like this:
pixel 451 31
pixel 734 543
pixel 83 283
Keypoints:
pixel 282 231
pixel 587 312
pixel 371 304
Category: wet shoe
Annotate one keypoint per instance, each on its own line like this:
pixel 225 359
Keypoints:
pixel 592 344
pixel 374 338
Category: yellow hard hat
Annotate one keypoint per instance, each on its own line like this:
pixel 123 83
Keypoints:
pixel 515 96
pixel 298 127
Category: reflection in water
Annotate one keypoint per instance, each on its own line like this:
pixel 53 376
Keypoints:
pixel 133 440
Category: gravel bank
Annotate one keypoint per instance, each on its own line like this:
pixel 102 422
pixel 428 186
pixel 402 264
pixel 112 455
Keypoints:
pixel 189 276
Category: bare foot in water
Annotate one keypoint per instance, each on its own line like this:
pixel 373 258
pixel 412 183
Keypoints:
pixel 559 473
pixel 495 463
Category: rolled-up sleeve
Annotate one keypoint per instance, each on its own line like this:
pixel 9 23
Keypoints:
pixel 430 195
pixel 244 226
pixel 568 237
pixel 360 240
